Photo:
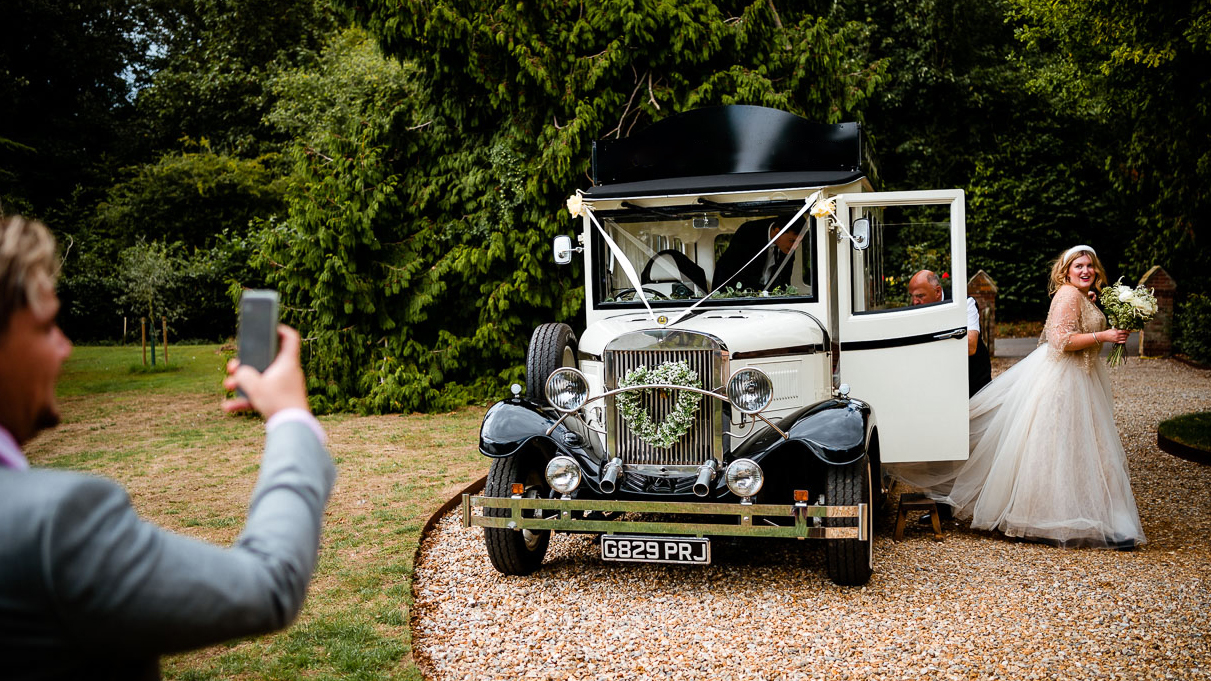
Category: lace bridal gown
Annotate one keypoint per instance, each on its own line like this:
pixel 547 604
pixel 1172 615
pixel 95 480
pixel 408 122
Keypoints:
pixel 1046 461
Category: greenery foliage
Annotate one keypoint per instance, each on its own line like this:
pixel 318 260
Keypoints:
pixel 1193 332
pixel 215 62
pixel 198 205
pixel 403 197
pixel 189 198
pixel 67 115
pixel 418 249
pixel 1135 69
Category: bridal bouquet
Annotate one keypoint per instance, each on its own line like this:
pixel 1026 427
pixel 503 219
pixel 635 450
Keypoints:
pixel 1128 309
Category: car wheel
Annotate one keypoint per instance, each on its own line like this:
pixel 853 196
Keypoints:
pixel 850 561
pixel 515 552
pixel 551 346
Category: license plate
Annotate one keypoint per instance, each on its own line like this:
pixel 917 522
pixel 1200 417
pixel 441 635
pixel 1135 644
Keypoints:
pixel 640 549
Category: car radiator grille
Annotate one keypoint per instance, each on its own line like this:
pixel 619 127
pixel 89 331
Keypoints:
pixel 696 445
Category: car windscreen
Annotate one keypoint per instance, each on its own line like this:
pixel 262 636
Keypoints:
pixel 677 260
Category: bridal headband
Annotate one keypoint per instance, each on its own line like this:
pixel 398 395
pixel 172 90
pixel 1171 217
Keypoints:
pixel 1076 249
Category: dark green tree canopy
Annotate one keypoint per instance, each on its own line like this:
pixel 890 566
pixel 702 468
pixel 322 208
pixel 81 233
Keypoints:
pixel 1139 70
pixel 215 60
pixel 403 180
pixel 63 82
pixel 416 255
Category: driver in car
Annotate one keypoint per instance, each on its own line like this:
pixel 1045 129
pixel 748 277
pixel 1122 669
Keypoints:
pixel 739 269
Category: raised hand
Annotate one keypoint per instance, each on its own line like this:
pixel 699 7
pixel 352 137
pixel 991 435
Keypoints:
pixel 281 386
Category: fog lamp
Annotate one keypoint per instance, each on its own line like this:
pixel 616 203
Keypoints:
pixel 744 477
pixel 567 389
pixel 750 390
pixel 563 474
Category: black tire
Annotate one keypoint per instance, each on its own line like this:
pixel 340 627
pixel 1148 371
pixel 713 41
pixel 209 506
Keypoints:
pixel 515 552
pixel 850 561
pixel 551 346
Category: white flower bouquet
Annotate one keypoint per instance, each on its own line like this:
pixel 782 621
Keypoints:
pixel 1127 309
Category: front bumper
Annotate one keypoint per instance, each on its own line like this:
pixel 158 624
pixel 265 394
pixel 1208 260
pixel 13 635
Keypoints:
pixel 708 519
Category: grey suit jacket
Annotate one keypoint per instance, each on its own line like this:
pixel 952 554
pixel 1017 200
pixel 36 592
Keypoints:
pixel 90 591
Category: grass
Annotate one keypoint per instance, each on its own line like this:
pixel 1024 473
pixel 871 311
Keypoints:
pixel 190 468
pixel 95 370
pixel 1192 430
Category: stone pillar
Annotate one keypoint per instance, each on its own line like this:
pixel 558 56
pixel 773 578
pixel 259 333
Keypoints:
pixel 1156 340
pixel 984 290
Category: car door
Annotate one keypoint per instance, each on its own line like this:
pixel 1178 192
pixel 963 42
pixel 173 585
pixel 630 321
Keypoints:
pixel 909 362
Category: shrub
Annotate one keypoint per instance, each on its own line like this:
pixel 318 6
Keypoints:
pixel 1193 327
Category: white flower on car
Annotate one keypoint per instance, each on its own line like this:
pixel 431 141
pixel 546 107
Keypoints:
pixel 823 209
pixel 575 205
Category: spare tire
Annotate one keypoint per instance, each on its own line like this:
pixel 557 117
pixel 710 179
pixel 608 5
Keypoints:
pixel 551 346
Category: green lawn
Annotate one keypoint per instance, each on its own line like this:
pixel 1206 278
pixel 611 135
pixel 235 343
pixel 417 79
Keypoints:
pixel 191 468
pixel 97 370
pixel 1193 430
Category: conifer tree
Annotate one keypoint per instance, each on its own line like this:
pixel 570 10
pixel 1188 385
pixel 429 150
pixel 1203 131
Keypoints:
pixel 417 256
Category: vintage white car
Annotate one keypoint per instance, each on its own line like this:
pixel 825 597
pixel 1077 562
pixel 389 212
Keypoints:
pixel 751 359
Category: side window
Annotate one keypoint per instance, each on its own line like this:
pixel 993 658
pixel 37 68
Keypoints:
pixel 908 261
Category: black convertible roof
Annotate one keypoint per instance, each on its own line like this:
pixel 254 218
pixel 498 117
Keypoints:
pixel 726 148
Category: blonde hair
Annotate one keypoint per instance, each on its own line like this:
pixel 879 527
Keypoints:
pixel 1059 269
pixel 28 265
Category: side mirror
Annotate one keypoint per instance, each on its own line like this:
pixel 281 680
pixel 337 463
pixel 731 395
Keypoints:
pixel 563 249
pixel 860 233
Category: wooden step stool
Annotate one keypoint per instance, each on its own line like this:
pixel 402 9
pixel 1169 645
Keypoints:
pixel 915 501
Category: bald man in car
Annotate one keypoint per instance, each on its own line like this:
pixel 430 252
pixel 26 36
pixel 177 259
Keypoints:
pixel 924 288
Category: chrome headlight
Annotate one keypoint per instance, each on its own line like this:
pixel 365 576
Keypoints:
pixel 744 477
pixel 750 390
pixel 563 474
pixel 567 389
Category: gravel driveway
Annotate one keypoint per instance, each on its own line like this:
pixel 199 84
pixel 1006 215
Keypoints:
pixel 975 606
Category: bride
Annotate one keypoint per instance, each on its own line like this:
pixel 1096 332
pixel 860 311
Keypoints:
pixel 1046 462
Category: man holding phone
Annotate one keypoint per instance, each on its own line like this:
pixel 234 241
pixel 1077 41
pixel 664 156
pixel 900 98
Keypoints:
pixel 87 588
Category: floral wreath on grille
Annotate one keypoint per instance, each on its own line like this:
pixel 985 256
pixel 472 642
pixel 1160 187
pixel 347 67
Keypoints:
pixel 677 423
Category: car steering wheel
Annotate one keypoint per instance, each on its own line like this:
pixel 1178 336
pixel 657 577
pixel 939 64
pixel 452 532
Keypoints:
pixel 652 293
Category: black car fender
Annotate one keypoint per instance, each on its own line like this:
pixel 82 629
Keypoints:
pixel 835 431
pixel 519 425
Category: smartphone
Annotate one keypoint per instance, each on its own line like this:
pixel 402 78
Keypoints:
pixel 257 337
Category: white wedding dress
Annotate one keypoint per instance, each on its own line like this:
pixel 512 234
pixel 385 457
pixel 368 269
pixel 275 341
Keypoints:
pixel 1046 461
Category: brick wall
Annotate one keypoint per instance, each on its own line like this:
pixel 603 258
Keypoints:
pixel 984 290
pixel 1156 340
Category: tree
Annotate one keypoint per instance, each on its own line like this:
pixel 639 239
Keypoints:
pixel 189 197
pixel 950 92
pixel 216 58
pixel 958 110
pixel 66 121
pixel 149 273
pixel 200 201
pixel 1138 69
pixel 417 245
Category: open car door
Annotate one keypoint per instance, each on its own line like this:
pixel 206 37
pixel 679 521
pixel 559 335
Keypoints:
pixel 909 362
